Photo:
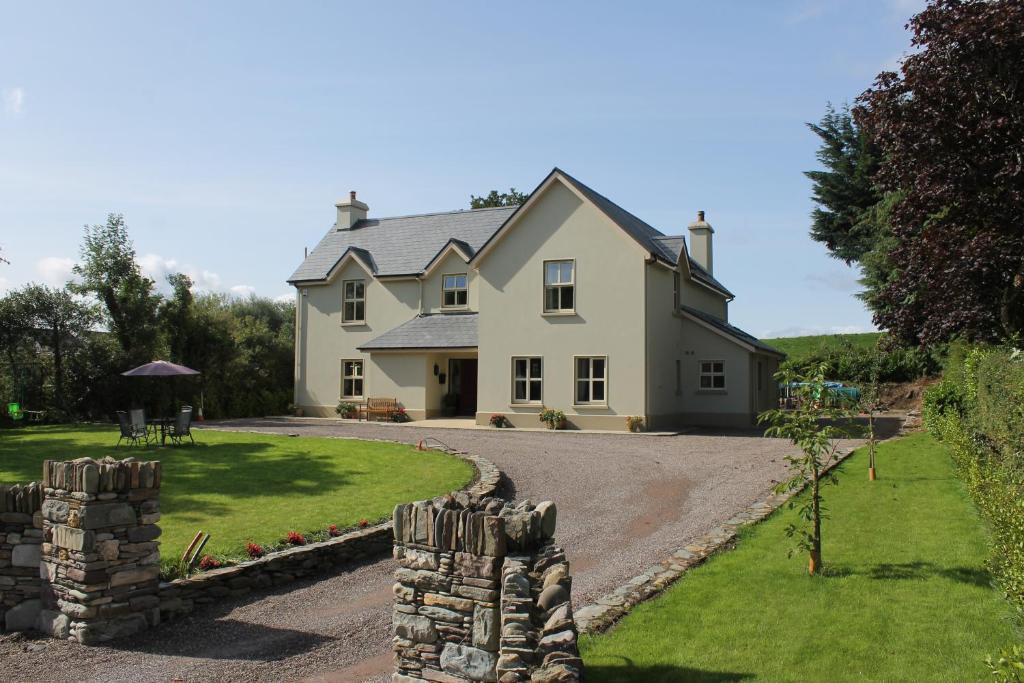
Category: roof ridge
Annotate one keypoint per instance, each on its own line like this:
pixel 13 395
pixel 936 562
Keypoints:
pixel 436 213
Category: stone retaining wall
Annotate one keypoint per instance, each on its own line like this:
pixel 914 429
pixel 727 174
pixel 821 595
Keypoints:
pixel 21 535
pixel 483 593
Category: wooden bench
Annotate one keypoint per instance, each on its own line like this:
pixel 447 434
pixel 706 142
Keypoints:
pixel 381 407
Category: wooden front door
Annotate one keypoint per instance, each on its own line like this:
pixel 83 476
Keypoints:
pixel 462 373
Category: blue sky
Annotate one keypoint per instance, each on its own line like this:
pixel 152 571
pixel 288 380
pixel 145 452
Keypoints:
pixel 226 133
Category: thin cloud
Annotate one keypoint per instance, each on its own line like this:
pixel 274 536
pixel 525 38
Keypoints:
pixel 157 268
pixel 242 291
pixel 812 9
pixel 14 100
pixel 286 298
pixel 55 271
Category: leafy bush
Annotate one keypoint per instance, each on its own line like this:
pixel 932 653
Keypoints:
pixel 634 423
pixel 254 550
pixel 295 538
pixel 978 410
pixel 850 362
pixel 400 416
pixel 498 420
pixel 346 409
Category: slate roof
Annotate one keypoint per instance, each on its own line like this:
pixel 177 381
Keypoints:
pixel 732 331
pixel 672 245
pixel 405 245
pixel 429 331
pixel 402 245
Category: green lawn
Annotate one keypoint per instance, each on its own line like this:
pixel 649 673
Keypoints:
pixel 906 596
pixel 244 487
pixel 797 347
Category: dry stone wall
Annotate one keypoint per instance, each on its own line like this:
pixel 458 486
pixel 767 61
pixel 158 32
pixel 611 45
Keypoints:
pixel 21 537
pixel 101 557
pixel 482 593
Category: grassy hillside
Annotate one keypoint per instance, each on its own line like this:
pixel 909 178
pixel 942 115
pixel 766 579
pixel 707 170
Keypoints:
pixel 798 347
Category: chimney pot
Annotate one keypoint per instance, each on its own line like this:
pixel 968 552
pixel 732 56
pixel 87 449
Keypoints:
pixel 700 214
pixel 352 196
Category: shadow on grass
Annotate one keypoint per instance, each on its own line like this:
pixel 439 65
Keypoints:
pixel 657 673
pixel 909 571
pixel 251 469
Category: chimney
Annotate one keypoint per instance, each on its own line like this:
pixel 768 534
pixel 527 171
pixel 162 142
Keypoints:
pixel 350 211
pixel 700 242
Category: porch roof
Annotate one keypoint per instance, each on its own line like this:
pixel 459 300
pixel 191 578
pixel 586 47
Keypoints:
pixel 429 331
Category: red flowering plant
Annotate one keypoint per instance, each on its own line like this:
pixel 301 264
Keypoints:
pixel 363 523
pixel 333 530
pixel 255 550
pixel 400 415
pixel 295 538
pixel 209 562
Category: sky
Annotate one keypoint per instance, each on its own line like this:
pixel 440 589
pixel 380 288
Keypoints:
pixel 225 132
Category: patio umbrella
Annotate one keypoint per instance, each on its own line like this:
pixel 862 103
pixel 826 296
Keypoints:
pixel 162 368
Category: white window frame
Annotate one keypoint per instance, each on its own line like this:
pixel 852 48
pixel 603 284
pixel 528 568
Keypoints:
pixel 354 300
pixel 571 284
pixel 529 379
pixel 353 377
pixel 455 290
pixel 591 380
pixel 712 374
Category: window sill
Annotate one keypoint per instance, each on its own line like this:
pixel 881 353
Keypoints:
pixel 712 391
pixel 354 323
pixel 525 404
pixel 455 308
pixel 585 406
pixel 558 313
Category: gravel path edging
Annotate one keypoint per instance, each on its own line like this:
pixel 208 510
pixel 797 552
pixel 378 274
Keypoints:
pixel 600 615
pixel 181 597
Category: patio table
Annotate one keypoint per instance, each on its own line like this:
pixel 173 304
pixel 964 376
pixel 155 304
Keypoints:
pixel 163 423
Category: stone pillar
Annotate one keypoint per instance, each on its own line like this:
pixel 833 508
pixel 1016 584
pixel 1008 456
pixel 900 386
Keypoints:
pixel 101 557
pixel 482 593
pixel 21 535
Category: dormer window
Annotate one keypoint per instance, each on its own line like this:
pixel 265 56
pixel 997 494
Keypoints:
pixel 560 286
pixel 454 291
pixel 353 305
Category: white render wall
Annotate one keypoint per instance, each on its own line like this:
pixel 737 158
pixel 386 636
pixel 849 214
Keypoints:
pixel 323 341
pixel 609 319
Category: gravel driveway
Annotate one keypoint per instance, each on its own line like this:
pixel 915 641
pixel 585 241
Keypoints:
pixel 624 502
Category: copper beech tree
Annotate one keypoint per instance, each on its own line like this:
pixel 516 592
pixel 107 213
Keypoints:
pixel 810 427
pixel 949 128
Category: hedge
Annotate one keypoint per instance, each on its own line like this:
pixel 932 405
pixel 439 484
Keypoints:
pixel 978 410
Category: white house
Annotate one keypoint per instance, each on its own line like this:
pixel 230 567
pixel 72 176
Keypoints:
pixel 567 301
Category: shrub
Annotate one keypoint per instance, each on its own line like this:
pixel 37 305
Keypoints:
pixel 346 409
pixel 209 562
pixel 295 538
pixel 978 410
pixel 255 550
pixel 333 531
pixel 886 361
pixel 634 423
pixel 498 420
pixel 363 523
pixel 400 416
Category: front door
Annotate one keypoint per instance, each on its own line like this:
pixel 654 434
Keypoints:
pixel 462 374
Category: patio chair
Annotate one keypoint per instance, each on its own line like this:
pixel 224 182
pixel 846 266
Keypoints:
pixel 138 418
pixel 14 411
pixel 181 427
pixel 130 431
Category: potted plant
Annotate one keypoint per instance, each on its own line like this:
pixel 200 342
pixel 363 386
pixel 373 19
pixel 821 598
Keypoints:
pixel 449 405
pixel 498 420
pixel 400 415
pixel 346 409
pixel 634 423
pixel 554 419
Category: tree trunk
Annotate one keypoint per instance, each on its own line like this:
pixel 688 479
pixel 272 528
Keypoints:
pixel 814 565
pixel 871 445
pixel 58 370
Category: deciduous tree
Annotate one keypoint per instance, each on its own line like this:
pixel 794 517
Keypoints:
pixel 950 127
pixel 495 199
